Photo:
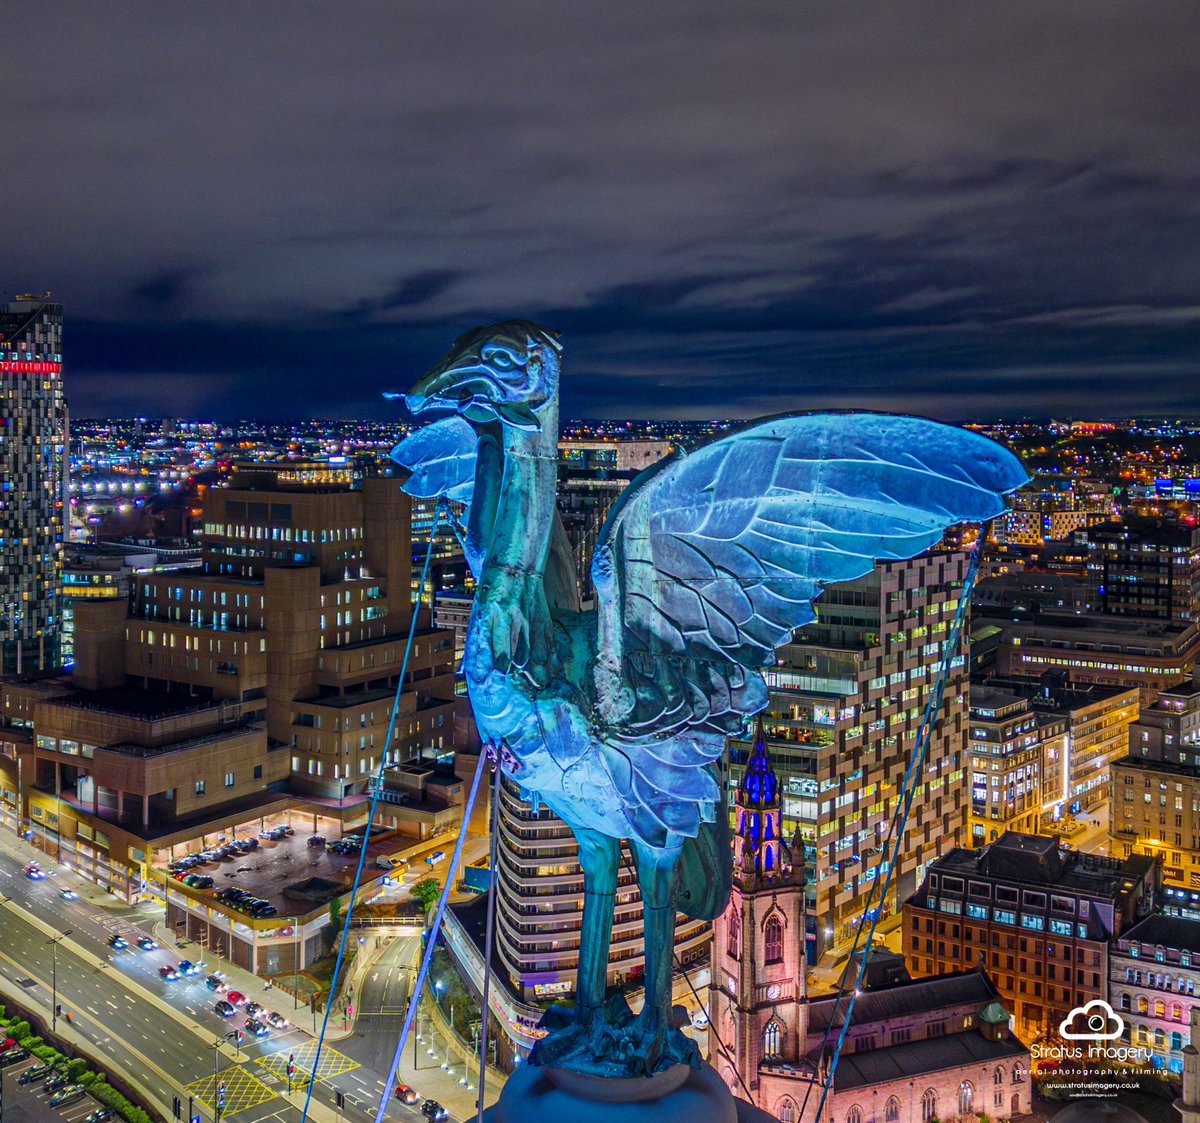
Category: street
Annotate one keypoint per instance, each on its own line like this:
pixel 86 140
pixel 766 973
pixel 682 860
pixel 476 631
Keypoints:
pixel 124 1011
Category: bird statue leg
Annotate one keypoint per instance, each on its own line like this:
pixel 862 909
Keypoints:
pixel 599 856
pixel 657 871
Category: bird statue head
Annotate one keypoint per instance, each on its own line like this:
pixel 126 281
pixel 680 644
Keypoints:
pixel 503 372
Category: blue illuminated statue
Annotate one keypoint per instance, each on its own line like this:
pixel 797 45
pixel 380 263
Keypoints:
pixel 706 564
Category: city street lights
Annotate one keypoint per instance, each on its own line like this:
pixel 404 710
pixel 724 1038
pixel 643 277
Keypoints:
pixel 54 941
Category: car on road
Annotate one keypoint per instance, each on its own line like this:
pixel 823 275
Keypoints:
pixel 431 1109
pixel 13 1056
pixel 236 997
pixel 68 1095
pixel 436 857
pixel 168 972
pixel 100 1115
pixel 118 942
pixel 215 983
pixel 147 944
pixel 187 967
pixel 36 1072
pixel 405 1094
pixel 253 1009
pixel 276 1021
pixel 225 1009
pixel 254 1026
pixel 68 894
pixel 35 872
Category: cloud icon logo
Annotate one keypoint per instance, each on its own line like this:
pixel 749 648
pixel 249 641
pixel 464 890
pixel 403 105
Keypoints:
pixel 1097 1021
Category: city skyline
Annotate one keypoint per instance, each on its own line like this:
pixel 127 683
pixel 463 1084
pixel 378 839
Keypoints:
pixel 941 213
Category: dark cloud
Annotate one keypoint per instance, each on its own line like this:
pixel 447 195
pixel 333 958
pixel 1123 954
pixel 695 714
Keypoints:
pixel 967 210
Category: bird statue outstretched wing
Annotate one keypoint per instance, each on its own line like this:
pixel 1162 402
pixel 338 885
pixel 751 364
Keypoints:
pixel 709 562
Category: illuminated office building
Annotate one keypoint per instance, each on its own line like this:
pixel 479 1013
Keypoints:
pixel 33 484
pixel 845 703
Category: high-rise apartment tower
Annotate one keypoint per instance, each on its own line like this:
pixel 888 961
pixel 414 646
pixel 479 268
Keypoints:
pixel 33 449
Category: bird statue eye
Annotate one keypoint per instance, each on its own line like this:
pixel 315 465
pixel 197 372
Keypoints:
pixel 499 359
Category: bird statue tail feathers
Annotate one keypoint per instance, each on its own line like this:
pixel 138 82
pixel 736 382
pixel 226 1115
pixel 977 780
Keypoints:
pixel 705 871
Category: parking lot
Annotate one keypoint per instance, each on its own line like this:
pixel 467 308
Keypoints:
pixel 275 864
pixel 31 1102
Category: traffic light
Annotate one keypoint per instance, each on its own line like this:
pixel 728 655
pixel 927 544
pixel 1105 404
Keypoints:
pixel 291 1069
pixel 240 1035
pixel 58 1010
pixel 221 1097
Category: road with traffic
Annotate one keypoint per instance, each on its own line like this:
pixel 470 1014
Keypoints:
pixel 125 1014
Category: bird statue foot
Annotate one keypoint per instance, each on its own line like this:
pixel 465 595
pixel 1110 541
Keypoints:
pixel 612 1042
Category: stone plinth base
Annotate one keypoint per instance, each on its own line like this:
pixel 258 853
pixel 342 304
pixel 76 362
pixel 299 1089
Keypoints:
pixel 678 1095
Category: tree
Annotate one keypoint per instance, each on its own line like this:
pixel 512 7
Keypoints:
pixel 426 892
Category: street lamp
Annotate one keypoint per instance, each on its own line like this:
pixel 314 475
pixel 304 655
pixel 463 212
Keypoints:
pixel 296 966
pixel 54 941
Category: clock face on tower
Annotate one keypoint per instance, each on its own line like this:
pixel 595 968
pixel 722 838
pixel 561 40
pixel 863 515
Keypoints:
pixel 773 992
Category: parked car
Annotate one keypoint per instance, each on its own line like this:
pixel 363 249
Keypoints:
pixel 236 997
pixel 35 872
pixel 56 1080
pixel 254 1026
pixel 224 1008
pixel 6 1044
pixel 118 942
pixel 166 971
pixel 68 894
pixel 215 983
pixel 317 840
pixel 287 830
pixel 100 1115
pixel 68 1095
pixel 229 895
pixel 147 944
pixel 36 1072
pixel 276 1021
pixel 198 881
pixel 13 1056
pixel 263 910
pixel 405 1094
pixel 431 1109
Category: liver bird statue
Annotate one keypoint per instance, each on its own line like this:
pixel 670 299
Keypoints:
pixel 708 562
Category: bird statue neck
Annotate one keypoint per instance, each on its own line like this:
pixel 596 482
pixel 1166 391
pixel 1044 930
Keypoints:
pixel 525 510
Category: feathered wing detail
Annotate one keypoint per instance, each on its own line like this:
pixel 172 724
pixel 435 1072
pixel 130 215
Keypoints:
pixel 709 562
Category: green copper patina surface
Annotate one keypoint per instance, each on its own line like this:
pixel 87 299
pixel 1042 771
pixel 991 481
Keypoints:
pixel 708 562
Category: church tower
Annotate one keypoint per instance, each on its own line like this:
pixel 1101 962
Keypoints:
pixel 758 999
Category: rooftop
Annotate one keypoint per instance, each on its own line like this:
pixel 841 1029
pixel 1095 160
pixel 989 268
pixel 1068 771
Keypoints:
pixel 903 999
pixel 933 1054
pixel 1166 931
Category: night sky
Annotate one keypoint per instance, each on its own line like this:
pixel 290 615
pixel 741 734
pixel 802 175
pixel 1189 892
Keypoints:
pixel 278 210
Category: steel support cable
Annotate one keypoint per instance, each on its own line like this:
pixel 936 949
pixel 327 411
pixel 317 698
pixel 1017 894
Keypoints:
pixel 430 942
pixel 362 853
pixel 896 832
pixel 489 936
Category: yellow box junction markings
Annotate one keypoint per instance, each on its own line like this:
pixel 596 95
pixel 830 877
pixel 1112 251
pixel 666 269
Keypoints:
pixel 242 1091
pixel 332 1062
